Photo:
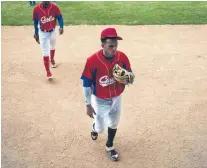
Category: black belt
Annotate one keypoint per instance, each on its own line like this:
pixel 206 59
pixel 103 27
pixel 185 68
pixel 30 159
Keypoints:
pixel 48 30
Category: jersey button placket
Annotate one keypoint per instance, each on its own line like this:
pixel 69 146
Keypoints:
pixel 109 81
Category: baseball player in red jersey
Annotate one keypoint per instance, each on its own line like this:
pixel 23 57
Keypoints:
pixel 44 16
pixel 101 91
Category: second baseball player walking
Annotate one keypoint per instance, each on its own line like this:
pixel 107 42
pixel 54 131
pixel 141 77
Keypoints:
pixel 45 15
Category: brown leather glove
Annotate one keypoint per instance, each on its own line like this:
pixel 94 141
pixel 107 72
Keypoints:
pixel 123 76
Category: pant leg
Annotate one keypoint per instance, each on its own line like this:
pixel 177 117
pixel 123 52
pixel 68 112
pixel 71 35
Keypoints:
pixel 53 38
pixel 102 108
pixel 44 38
pixel 114 114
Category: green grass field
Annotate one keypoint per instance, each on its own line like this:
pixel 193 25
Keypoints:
pixel 117 13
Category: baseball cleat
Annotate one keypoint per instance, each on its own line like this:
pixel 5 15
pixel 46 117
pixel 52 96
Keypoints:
pixel 49 76
pixel 94 134
pixel 113 155
pixel 53 65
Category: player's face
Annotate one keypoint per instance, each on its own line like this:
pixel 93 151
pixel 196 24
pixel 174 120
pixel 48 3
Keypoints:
pixel 45 4
pixel 110 46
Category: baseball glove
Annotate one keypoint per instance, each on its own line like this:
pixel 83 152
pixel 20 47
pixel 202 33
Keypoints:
pixel 123 76
pixel 36 37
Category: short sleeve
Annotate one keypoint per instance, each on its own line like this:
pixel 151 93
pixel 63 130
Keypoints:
pixel 57 10
pixel 87 72
pixel 127 63
pixel 35 14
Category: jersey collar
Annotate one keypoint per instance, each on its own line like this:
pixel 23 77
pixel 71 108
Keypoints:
pixel 102 57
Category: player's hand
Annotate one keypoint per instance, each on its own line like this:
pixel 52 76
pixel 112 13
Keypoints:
pixel 90 111
pixel 61 31
pixel 36 37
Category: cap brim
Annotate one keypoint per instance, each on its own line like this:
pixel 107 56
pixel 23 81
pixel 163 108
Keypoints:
pixel 119 38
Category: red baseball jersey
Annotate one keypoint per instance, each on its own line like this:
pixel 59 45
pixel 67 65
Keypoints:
pixel 99 70
pixel 46 17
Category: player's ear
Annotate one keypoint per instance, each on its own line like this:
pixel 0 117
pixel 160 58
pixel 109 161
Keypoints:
pixel 102 45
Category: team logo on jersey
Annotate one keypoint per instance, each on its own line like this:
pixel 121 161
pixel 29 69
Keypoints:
pixel 105 81
pixel 45 19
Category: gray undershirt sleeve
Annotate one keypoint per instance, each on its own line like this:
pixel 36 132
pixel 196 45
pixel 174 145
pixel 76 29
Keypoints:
pixel 87 95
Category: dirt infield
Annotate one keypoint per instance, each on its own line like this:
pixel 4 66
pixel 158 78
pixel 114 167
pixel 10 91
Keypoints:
pixel 164 118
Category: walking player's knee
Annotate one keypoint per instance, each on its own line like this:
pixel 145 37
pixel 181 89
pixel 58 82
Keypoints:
pixel 99 130
pixel 45 52
pixel 52 48
pixel 52 45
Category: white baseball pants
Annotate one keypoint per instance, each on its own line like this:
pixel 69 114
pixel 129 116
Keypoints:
pixel 107 112
pixel 47 41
